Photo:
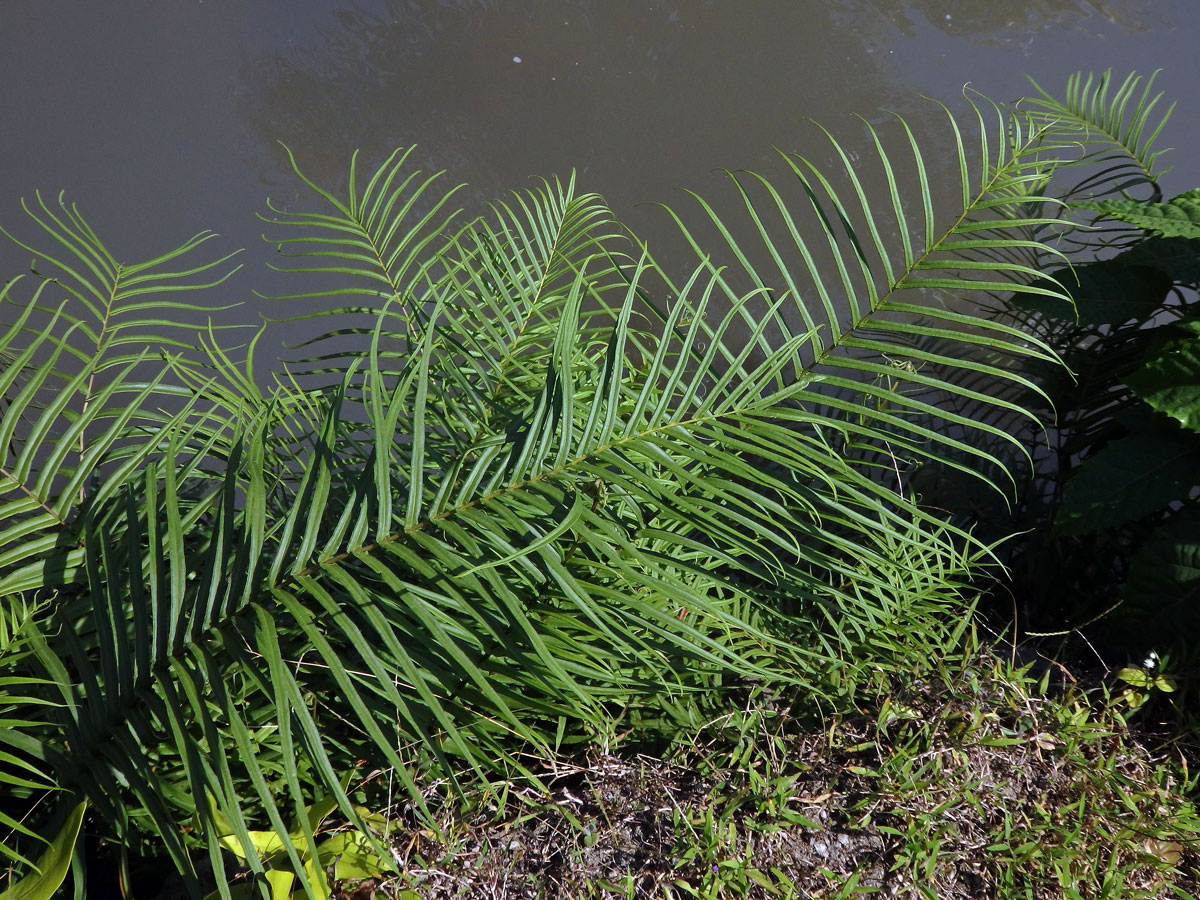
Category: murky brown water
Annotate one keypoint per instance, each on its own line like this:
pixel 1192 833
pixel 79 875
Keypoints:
pixel 161 118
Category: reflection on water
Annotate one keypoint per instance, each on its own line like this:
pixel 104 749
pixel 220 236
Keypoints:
pixel 1003 24
pixel 1006 24
pixel 630 93
pixel 636 96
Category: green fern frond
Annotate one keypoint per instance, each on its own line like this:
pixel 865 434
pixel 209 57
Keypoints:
pixel 110 298
pixel 1116 126
pixel 552 482
pixel 377 244
pixel 860 314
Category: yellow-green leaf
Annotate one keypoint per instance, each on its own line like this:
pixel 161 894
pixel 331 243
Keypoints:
pixel 53 865
pixel 266 844
pixel 356 858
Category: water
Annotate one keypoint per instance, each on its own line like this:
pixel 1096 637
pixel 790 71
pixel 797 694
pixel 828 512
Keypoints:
pixel 163 119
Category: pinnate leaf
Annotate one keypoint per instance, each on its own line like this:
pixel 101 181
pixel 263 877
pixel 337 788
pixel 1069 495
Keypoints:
pixel 1178 217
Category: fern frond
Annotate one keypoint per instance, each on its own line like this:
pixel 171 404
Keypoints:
pixel 377 244
pixel 1178 217
pixel 1116 126
pixel 551 483
pixel 866 315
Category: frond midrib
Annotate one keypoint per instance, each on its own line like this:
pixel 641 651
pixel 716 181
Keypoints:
pixel 507 358
pixel 910 269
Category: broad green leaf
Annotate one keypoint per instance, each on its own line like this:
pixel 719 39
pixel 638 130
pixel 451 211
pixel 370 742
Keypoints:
pixel 355 857
pixel 1127 479
pixel 265 843
pixel 53 865
pixel 1107 292
pixel 1162 592
pixel 317 813
pixel 279 881
pixel 1170 379
pixel 1136 676
pixel 1177 258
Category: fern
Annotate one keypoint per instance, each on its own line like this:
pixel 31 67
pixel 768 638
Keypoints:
pixel 1176 218
pixel 1117 126
pixel 551 483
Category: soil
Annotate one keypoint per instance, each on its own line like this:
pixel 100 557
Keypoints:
pixel 838 824
pixel 634 827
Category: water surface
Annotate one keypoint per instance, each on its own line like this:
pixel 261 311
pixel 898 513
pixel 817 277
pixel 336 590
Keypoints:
pixel 163 119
